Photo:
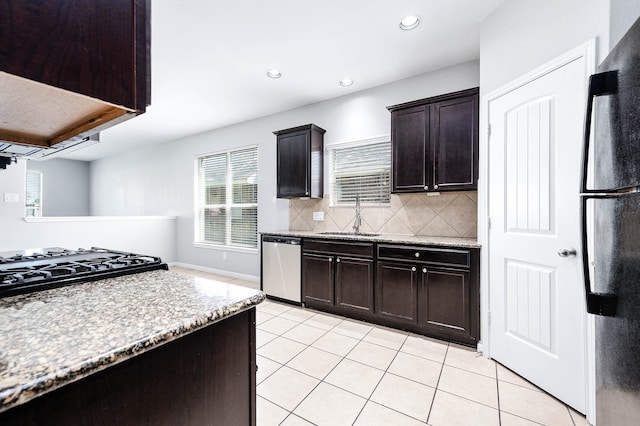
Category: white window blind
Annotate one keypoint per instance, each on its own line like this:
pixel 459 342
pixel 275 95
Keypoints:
pixel 228 198
pixel 33 196
pixel 362 169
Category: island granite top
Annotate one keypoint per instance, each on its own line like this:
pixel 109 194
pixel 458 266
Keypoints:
pixel 54 337
pixel 384 238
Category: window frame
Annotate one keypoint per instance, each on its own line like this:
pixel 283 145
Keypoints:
pixel 228 205
pixel 354 144
pixel 38 208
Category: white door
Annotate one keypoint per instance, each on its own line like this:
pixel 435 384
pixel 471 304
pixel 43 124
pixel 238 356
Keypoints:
pixel 536 297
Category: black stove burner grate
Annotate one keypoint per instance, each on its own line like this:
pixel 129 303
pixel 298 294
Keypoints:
pixel 26 273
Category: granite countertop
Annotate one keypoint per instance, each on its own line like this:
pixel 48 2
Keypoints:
pixel 54 337
pixel 385 238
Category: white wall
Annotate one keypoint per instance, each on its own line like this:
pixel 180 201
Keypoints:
pixel 65 186
pixel 623 14
pixel 524 34
pixel 159 180
pixel 154 236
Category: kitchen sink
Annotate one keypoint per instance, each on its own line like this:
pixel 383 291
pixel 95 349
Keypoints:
pixel 355 234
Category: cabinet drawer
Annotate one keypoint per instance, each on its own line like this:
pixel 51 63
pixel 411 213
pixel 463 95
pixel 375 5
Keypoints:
pixel 429 255
pixel 361 249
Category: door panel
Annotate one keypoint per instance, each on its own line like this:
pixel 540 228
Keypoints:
pixel 292 168
pixel 529 153
pixel 396 292
pixel 354 285
pixel 536 302
pixel 410 133
pixel 444 300
pixel 454 136
pixel 317 279
pixel 530 299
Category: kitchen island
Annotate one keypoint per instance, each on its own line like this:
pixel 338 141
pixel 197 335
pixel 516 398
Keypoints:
pixel 149 348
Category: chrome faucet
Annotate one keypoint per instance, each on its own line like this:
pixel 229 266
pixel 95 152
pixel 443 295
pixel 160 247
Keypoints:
pixel 358 221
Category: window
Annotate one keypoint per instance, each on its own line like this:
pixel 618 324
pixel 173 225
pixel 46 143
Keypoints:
pixel 363 169
pixel 33 196
pixel 228 198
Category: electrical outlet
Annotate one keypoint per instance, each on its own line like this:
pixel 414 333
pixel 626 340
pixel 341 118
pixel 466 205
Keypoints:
pixel 318 216
pixel 10 197
pixel 224 255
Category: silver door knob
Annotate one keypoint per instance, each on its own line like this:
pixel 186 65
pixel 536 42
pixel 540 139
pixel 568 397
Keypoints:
pixel 567 252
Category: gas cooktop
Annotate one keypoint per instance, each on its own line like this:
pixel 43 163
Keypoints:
pixel 32 270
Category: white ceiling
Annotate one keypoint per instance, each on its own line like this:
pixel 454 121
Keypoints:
pixel 210 57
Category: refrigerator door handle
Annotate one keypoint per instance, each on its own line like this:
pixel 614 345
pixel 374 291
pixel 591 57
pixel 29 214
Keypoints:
pixel 604 83
pixel 604 304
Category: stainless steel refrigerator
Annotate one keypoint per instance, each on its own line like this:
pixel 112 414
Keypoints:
pixel 612 202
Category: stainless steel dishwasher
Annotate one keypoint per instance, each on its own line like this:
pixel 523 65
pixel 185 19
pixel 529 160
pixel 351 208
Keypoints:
pixel 281 277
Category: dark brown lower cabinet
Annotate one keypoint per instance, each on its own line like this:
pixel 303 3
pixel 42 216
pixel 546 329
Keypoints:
pixel 354 285
pixel 429 290
pixel 317 279
pixel 338 277
pixel 207 377
pixel 397 292
pixel 444 301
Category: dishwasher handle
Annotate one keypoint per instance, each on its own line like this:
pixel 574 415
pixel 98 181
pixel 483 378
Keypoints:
pixel 281 240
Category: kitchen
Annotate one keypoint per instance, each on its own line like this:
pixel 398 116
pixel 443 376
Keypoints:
pixel 146 197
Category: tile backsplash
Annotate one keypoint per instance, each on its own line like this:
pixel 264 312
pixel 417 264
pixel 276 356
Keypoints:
pixel 449 214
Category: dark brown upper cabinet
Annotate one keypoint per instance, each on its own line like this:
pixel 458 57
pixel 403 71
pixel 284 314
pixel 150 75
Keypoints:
pixel 299 153
pixel 71 68
pixel 434 143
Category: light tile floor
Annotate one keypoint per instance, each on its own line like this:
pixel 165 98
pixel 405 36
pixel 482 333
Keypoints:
pixel 321 369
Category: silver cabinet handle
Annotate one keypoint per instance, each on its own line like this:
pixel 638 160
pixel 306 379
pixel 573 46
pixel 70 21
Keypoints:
pixel 435 186
pixel 424 270
pixel 567 252
pixel 413 269
pixel 338 260
pixel 331 259
pixel 426 187
pixel 417 254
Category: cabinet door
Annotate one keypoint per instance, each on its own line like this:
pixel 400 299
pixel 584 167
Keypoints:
pixel 317 279
pixel 354 285
pixel 444 301
pixel 292 164
pixel 454 144
pixel 410 130
pixel 396 292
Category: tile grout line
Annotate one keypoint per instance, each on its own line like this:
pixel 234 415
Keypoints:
pixel 495 364
pixel 438 383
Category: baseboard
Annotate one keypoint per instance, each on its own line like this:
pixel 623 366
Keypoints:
pixel 246 277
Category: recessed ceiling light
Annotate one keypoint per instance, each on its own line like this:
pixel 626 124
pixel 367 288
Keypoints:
pixel 346 82
pixel 274 73
pixel 410 22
